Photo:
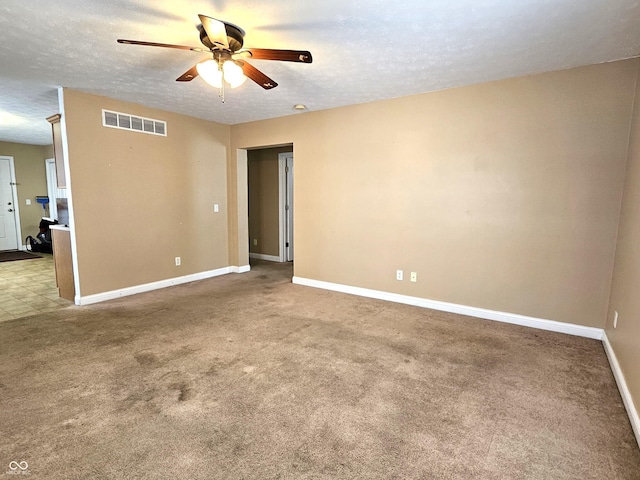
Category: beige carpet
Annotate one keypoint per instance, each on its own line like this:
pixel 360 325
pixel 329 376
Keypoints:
pixel 250 377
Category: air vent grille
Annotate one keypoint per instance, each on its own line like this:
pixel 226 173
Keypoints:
pixel 134 123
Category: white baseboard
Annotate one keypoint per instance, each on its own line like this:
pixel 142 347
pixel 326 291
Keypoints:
pixel 533 322
pixel 147 287
pixel 242 269
pixel 622 386
pixel 262 256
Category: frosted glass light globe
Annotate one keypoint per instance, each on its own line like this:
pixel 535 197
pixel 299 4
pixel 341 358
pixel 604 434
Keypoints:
pixel 233 74
pixel 210 73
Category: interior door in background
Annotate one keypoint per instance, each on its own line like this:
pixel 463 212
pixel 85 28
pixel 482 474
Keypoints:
pixel 8 215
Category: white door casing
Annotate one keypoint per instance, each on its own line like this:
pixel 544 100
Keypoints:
pixel 9 214
pixel 285 185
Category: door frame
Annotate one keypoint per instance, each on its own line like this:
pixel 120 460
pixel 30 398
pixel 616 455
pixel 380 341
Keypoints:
pixel 14 194
pixel 285 218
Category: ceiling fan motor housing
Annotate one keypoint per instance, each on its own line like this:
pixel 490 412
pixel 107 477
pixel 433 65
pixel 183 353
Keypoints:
pixel 235 36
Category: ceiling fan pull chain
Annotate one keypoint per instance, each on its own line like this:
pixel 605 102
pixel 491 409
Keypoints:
pixel 221 94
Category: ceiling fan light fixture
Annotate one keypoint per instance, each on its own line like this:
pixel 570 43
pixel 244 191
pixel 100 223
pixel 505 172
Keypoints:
pixel 224 41
pixel 233 73
pixel 210 72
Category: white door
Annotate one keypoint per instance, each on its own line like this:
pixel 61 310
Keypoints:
pixel 9 231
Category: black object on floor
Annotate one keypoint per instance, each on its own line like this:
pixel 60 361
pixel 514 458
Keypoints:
pixel 12 255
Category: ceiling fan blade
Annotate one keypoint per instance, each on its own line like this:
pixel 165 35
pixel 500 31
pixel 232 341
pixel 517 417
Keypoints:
pixel 164 45
pixel 281 55
pixel 216 31
pixel 188 75
pixel 257 76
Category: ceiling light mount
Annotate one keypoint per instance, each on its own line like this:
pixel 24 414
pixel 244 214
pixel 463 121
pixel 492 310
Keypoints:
pixel 235 37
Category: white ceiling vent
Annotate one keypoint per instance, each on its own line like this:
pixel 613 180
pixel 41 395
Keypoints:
pixel 126 121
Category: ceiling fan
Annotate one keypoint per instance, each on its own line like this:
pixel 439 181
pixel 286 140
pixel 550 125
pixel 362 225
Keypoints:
pixel 224 42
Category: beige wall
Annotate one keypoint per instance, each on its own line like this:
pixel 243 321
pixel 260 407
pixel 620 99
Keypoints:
pixel 503 195
pixel 140 200
pixel 31 178
pixel 264 200
pixel 625 338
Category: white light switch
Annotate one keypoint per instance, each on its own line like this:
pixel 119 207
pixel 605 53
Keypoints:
pixel 216 208
pixel 28 201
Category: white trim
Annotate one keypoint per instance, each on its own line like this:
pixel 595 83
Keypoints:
pixel 67 173
pixel 627 399
pixel 242 269
pixel 16 200
pixel 514 318
pixel 282 200
pixel 282 191
pixel 147 287
pixel 282 162
pixel 261 256
pixel 290 213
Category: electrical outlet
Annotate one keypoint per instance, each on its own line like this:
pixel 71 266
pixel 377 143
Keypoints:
pixel 216 208
pixel 28 201
pixel 414 276
pixel 615 319
pixel 178 261
pixel 255 241
pixel 398 274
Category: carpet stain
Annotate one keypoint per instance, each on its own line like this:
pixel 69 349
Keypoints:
pixel 184 392
pixel 113 341
pixel 136 399
pixel 405 349
pixel 145 358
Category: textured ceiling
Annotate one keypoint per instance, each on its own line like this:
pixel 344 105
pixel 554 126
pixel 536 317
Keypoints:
pixel 363 50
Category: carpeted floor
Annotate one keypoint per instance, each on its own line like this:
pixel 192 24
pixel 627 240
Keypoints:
pixel 250 377
pixel 13 255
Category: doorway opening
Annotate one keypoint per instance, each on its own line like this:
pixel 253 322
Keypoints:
pixel 29 285
pixel 270 203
